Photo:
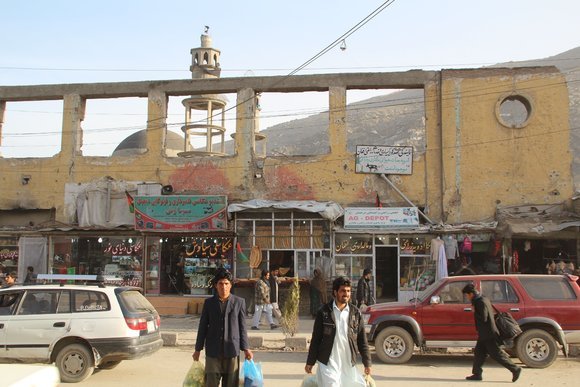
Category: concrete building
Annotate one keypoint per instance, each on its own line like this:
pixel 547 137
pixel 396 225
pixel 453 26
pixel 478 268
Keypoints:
pixel 502 180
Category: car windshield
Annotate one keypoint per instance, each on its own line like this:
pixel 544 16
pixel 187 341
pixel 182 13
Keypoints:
pixel 134 301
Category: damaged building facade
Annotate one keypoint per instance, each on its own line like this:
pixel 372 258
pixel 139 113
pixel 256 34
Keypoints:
pixel 495 191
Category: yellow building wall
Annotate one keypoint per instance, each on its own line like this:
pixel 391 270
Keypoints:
pixel 471 165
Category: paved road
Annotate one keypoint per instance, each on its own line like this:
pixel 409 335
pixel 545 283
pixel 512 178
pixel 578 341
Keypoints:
pixel 286 369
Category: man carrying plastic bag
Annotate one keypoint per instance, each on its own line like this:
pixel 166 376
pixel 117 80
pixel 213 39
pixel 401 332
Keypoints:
pixel 222 331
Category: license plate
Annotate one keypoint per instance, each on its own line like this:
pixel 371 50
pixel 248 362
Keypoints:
pixel 151 326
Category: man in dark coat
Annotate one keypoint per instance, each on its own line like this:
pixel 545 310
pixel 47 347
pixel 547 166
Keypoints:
pixel 487 336
pixel 337 333
pixel 222 331
pixel 363 289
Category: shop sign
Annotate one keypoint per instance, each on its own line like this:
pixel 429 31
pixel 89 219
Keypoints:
pixel 353 246
pixel 180 212
pixel 390 217
pixel 384 159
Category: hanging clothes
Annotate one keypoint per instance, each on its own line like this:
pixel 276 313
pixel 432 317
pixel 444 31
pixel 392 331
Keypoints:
pixel 436 244
pixel 441 271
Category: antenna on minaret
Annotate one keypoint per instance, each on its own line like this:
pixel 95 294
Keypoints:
pixel 206 30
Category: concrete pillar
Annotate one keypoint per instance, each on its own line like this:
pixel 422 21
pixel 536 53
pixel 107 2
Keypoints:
pixel 156 121
pixel 2 110
pixel 72 132
pixel 337 120
pixel 245 123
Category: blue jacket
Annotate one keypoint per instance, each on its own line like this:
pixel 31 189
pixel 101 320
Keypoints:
pixel 233 327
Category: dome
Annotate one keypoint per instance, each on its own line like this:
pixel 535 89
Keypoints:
pixel 136 144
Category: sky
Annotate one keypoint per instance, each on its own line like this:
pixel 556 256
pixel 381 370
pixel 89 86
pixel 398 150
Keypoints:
pixel 62 41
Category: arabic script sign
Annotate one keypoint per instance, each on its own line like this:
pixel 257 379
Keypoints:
pixel 180 212
pixel 357 217
pixel 384 159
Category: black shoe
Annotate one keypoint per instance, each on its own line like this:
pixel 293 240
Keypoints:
pixel 273 326
pixel 474 377
pixel 255 328
pixel 516 374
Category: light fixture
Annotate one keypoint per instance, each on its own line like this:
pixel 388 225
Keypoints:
pixel 130 240
pixel 160 240
pixel 100 240
pixel 343 45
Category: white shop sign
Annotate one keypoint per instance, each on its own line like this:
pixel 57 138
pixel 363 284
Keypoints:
pixel 384 159
pixel 371 217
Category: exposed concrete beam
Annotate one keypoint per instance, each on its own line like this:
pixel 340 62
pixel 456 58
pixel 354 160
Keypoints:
pixel 414 79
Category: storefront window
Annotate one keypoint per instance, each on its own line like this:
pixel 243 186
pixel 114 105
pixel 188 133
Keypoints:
pixel 118 258
pixel 8 255
pixel 417 267
pixel 282 238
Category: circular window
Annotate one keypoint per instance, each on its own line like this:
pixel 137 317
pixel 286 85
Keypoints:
pixel 514 111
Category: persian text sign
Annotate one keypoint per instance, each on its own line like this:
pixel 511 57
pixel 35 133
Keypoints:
pixel 384 159
pixel 356 217
pixel 180 212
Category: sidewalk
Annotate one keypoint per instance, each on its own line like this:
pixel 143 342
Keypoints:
pixel 181 330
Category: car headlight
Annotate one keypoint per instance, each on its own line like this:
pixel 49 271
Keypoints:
pixel 366 317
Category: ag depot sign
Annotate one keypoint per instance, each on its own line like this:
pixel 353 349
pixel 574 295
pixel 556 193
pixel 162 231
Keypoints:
pixel 391 217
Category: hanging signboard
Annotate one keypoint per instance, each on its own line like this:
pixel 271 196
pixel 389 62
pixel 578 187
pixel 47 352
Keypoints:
pixel 394 160
pixel 180 212
pixel 390 217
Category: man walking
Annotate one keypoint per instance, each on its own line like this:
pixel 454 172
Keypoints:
pixel 222 331
pixel 487 336
pixel 363 289
pixel 332 346
pixel 262 301
pixel 274 281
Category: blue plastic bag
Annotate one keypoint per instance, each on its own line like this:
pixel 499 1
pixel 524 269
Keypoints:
pixel 252 374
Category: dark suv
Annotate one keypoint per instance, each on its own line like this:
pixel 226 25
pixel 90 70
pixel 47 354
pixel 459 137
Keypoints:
pixel 547 308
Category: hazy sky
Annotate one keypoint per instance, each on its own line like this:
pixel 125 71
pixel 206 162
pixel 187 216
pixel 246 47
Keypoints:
pixel 63 41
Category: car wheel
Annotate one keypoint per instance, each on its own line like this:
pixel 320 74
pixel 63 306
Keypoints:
pixel 75 363
pixel 109 365
pixel 394 345
pixel 536 348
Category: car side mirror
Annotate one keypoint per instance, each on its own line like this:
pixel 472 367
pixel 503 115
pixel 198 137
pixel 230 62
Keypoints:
pixel 435 300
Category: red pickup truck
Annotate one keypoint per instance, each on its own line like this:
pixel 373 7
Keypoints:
pixel 547 307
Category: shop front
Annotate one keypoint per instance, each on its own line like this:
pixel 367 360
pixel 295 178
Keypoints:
pixel 540 239
pixel 292 236
pixel 8 255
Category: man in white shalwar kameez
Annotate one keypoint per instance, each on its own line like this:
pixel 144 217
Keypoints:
pixel 338 324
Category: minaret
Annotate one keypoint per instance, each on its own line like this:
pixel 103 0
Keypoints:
pixel 205 63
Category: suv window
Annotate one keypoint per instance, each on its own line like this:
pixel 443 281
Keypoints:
pixel 500 291
pixel 90 301
pixel 39 302
pixel 8 303
pixel 548 288
pixel 452 293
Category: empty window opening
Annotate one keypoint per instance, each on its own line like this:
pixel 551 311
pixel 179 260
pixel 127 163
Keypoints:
pixel 514 111
pixel 294 123
pixel 199 125
pixel 32 129
pixel 115 127
pixel 385 117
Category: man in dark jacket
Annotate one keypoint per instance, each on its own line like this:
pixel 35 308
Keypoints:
pixel 222 331
pixel 338 332
pixel 488 336
pixel 363 289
